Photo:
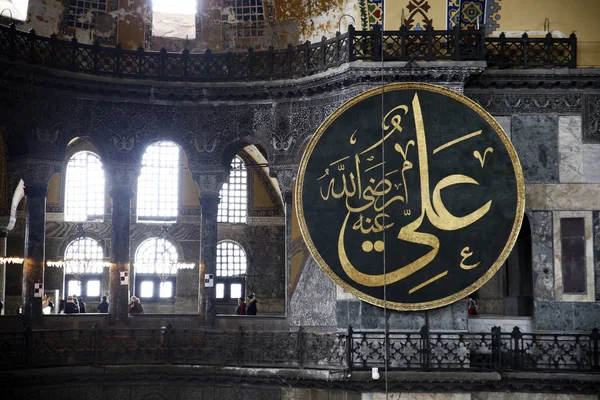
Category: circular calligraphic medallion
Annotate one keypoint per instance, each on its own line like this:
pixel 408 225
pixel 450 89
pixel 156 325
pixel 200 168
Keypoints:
pixel 410 196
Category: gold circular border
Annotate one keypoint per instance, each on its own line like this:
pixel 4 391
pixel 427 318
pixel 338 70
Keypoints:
pixel 518 175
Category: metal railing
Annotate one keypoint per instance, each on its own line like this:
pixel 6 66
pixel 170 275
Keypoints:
pixel 292 62
pixel 352 350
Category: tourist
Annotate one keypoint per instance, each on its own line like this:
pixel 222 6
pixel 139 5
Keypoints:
pixel 103 306
pixel 241 308
pixel 46 309
pixel 76 302
pixel 61 306
pixel 251 305
pixel 135 307
pixel 70 306
pixel 81 305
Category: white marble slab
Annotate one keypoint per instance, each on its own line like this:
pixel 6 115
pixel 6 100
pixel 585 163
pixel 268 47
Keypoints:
pixel 591 163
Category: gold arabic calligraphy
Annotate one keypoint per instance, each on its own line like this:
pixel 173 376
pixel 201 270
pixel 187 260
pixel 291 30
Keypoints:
pixel 378 195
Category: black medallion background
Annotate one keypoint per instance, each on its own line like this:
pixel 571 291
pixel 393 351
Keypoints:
pixel 446 117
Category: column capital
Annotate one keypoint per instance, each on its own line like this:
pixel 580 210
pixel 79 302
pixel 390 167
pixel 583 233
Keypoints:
pixel 286 176
pixel 210 181
pixel 122 179
pixel 36 174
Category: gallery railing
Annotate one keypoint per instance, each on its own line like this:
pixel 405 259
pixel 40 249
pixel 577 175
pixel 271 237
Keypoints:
pixel 351 351
pixel 293 62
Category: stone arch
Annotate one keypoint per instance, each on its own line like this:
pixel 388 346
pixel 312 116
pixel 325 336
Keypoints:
pixel 231 150
pixel 92 235
pixel 70 142
pixel 151 139
pixel 137 240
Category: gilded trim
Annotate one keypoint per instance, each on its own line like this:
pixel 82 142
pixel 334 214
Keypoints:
pixel 518 177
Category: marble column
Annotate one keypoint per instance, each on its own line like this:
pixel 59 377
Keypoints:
pixel 286 175
pixel 36 175
pixel 3 238
pixel 208 255
pixel 122 180
pixel 209 183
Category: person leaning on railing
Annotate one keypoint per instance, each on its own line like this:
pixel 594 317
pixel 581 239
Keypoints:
pixel 135 307
pixel 70 306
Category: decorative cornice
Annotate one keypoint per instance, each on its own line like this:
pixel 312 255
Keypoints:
pixel 499 103
pixel 544 79
pixel 452 74
pixel 265 221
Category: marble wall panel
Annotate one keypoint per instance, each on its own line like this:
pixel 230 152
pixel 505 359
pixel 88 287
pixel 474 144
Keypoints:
pixel 362 315
pixel 596 233
pixel 505 123
pixel 419 396
pixel 543 254
pixel 313 302
pixel 348 313
pixel 563 196
pixel 574 316
pixel 591 163
pixel 571 149
pixel 530 396
pixel 536 141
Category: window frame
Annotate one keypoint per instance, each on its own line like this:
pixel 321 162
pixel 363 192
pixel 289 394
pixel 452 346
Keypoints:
pixel 84 280
pixel 241 24
pixel 157 218
pixel 229 280
pixel 65 189
pixel 72 23
pixel 590 295
pixel 224 217
pixel 139 278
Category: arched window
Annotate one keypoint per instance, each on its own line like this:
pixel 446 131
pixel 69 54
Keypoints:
pixel 234 194
pixel 156 269
pixel 231 271
pixel 158 184
pixel 84 188
pixel 83 268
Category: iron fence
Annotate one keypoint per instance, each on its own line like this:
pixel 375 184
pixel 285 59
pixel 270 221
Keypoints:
pixel 351 350
pixel 292 62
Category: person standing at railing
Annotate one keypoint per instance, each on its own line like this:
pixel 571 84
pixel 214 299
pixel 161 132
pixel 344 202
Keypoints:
pixel 103 306
pixel 46 308
pixel 81 305
pixel 251 305
pixel 135 307
pixel 241 308
pixel 70 306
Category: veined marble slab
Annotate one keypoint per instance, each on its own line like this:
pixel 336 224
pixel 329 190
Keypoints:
pixel 562 196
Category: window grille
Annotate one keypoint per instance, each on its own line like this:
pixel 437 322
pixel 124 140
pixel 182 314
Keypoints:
pixel 234 194
pixel 158 184
pixel 84 188
pixel 156 256
pixel 231 270
pixel 250 17
pixel 82 13
pixel 86 250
